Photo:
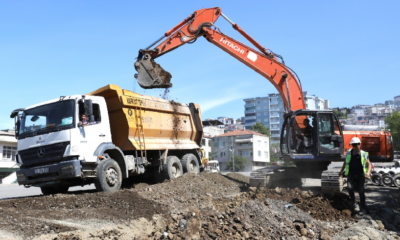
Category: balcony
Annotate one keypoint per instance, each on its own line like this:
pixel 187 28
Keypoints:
pixel 250 111
pixel 250 105
pixel 276 135
pixel 248 118
pixel 273 103
pixel 274 109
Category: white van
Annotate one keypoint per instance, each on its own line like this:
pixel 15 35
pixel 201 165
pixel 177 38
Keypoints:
pixel 213 166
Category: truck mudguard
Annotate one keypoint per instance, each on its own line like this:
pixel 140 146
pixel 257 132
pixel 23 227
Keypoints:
pixel 119 157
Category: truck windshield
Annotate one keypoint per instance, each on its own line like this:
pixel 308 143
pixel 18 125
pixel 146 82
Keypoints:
pixel 47 118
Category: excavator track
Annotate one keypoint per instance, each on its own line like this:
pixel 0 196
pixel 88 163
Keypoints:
pixel 331 182
pixel 271 177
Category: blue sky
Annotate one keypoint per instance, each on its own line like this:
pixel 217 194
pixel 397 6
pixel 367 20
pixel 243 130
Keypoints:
pixel 344 51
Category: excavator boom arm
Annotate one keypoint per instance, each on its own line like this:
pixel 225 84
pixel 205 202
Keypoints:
pixel 201 23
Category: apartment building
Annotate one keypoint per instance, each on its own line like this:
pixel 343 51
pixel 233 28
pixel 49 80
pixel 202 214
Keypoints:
pixel 213 127
pixel 250 144
pixel 313 102
pixel 397 101
pixel 267 110
pixel 206 143
pixel 8 152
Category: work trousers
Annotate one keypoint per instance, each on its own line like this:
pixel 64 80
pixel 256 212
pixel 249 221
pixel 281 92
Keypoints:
pixel 356 183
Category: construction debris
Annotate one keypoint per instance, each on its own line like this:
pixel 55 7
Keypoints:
pixel 194 206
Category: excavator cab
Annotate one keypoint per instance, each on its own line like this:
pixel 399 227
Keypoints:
pixel 311 135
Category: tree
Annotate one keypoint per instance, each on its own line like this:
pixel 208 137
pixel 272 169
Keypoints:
pixel 240 163
pixel 259 127
pixel 340 114
pixel 393 126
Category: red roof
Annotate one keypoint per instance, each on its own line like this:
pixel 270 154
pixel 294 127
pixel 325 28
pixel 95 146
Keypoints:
pixel 240 132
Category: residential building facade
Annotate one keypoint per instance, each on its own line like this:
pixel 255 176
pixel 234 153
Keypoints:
pixel 250 144
pixel 313 102
pixel 207 146
pixel 397 101
pixel 267 110
pixel 8 153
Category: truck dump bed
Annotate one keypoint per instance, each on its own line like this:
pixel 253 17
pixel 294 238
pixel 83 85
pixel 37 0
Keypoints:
pixel 166 124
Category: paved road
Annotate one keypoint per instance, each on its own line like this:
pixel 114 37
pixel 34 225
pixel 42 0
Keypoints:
pixel 15 191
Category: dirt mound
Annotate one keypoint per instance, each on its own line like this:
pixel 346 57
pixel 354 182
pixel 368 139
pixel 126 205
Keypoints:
pixel 27 215
pixel 318 206
pixel 205 205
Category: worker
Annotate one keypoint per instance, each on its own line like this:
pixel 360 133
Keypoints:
pixel 84 121
pixel 308 130
pixel 357 168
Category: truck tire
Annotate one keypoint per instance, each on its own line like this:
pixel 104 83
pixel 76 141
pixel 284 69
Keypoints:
pixel 190 163
pixel 396 180
pixel 387 180
pixel 376 179
pixel 54 190
pixel 109 176
pixel 173 168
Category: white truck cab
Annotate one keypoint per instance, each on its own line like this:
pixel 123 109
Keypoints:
pixel 53 145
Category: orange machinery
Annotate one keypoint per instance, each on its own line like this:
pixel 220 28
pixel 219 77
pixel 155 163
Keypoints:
pixel 329 142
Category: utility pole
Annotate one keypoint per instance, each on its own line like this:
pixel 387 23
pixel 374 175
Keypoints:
pixel 232 149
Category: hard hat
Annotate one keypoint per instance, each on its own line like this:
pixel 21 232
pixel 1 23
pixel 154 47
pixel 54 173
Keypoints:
pixel 355 140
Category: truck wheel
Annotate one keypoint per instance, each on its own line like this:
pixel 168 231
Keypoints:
pixel 387 180
pixel 54 190
pixel 173 168
pixel 190 163
pixel 376 179
pixel 109 176
pixel 396 180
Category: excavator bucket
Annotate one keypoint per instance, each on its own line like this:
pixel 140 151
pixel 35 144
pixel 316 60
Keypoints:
pixel 151 75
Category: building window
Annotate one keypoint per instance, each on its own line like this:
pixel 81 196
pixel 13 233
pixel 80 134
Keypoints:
pixel 9 153
pixel 203 142
pixel 259 153
pixel 222 144
pixel 221 154
pixel 245 153
pixel 265 154
pixel 259 143
pixel 215 145
pixel 265 144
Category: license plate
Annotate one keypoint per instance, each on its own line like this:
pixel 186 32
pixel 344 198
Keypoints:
pixel 41 170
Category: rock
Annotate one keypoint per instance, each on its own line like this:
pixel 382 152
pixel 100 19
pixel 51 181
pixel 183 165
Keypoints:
pixel 247 226
pixel 183 223
pixel 304 232
pixel 266 203
pixel 170 236
pixel 209 194
pixel 381 227
pixel 278 190
pixel 346 213
pixel 324 236
pixel 246 235
pixel 158 235
pixel 165 234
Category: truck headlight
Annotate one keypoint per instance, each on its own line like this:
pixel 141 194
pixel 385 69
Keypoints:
pixel 21 177
pixel 67 170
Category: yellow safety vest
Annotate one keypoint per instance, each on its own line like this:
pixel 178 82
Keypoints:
pixel 364 157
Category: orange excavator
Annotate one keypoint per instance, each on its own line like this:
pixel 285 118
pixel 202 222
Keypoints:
pixel 312 139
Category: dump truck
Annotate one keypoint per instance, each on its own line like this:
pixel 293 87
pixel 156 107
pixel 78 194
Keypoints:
pixel 125 134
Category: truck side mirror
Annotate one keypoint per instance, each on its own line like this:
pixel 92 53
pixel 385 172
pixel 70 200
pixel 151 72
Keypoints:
pixel 17 126
pixel 88 107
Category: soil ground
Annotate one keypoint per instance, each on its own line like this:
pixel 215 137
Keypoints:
pixel 202 206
